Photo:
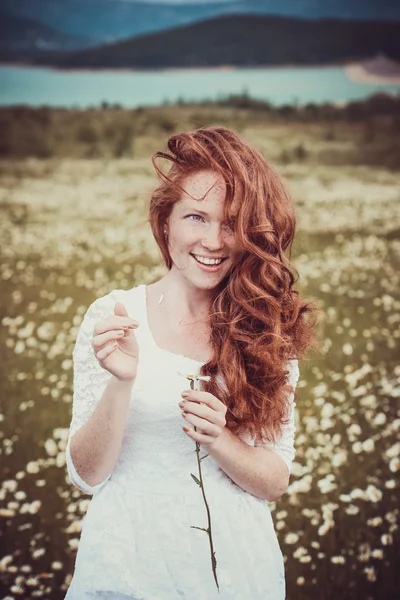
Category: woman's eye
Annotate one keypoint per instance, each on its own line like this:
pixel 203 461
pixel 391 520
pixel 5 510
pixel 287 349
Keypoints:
pixel 194 216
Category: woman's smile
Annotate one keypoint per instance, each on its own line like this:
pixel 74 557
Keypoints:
pixel 207 268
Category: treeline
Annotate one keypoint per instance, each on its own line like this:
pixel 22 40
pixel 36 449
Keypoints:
pixel 111 131
pixel 354 110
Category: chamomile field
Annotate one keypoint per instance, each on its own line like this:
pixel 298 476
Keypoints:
pixel 74 226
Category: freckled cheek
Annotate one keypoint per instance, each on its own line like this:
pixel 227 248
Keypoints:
pixel 235 256
pixel 190 236
pixel 184 240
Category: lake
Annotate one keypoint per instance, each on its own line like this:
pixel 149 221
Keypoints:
pixel 81 89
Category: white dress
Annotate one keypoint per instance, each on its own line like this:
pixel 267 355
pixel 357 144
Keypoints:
pixel 136 541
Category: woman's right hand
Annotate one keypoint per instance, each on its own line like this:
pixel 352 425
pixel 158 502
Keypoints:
pixel 115 344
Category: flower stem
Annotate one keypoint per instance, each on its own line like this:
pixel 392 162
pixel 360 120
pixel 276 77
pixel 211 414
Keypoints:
pixel 208 530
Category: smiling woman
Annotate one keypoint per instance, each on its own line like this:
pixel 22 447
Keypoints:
pixel 225 314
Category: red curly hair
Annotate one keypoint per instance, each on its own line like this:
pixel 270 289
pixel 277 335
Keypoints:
pixel 258 321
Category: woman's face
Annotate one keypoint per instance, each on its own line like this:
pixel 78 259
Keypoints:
pixel 196 230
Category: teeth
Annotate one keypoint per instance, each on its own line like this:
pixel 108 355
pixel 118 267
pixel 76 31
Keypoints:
pixel 208 261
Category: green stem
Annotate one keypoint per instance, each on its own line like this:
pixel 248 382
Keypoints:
pixel 208 530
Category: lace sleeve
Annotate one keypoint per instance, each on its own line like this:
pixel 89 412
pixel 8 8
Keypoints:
pixel 90 380
pixel 285 446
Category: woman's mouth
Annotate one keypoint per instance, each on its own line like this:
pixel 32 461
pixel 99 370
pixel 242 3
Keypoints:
pixel 208 268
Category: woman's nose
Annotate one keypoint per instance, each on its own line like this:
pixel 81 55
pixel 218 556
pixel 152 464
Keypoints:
pixel 213 239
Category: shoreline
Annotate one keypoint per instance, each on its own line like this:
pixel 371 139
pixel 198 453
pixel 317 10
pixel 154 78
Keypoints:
pixel 355 72
pixel 359 74
pixel 220 68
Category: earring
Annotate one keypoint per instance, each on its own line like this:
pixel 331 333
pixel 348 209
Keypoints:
pixel 165 234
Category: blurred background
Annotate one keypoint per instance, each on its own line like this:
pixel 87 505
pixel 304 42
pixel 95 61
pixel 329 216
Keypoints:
pixel 89 89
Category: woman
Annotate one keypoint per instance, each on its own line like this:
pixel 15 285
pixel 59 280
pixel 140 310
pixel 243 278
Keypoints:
pixel 180 483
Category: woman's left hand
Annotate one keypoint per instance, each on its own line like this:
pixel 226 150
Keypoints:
pixel 207 413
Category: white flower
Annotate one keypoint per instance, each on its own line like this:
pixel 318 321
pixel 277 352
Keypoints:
pixel 194 376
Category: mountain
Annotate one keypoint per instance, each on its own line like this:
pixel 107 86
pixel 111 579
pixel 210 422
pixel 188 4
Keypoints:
pixel 110 20
pixel 243 41
pixel 22 37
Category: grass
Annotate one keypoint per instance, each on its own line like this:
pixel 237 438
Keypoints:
pixel 73 226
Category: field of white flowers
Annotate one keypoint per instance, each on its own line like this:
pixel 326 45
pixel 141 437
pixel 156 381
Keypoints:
pixel 72 230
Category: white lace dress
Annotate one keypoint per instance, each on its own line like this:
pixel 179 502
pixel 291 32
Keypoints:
pixel 136 541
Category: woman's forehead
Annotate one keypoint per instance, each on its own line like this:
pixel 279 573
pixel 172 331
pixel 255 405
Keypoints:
pixel 207 186
pixel 202 184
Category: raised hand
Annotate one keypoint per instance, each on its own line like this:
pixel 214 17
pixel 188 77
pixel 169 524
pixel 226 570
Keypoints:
pixel 115 344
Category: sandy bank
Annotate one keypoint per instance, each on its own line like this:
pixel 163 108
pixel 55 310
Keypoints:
pixel 378 70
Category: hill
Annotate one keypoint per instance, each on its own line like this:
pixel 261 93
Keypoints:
pixel 243 41
pixel 22 37
pixel 111 20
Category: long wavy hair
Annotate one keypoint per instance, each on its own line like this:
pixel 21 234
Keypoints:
pixel 258 321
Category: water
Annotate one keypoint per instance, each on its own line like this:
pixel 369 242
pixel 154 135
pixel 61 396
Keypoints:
pixel 40 86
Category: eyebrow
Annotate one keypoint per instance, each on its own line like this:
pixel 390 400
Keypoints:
pixel 202 212
pixel 196 210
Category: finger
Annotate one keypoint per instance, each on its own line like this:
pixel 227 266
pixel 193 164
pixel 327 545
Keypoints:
pixel 99 341
pixel 203 411
pixel 114 322
pixel 197 436
pixel 120 309
pixel 206 398
pixel 107 350
pixel 205 426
